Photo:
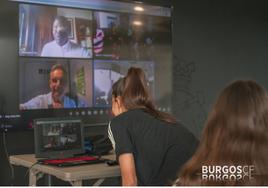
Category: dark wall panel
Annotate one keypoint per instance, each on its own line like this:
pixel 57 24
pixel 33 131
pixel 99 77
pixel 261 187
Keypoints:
pixel 214 43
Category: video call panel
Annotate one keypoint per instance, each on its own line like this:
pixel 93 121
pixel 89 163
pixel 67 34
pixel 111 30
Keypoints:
pixel 49 31
pixel 107 72
pixel 38 86
pixel 60 136
pixel 115 41
pixel 121 36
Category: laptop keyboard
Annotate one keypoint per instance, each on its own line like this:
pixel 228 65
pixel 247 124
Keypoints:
pixel 72 161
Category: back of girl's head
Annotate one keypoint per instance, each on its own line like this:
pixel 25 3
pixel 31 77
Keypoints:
pixel 236 133
pixel 241 109
pixel 135 93
pixel 241 117
pixel 118 87
pixel 242 99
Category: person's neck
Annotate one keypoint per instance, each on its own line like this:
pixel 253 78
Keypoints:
pixel 58 99
pixel 62 43
pixel 58 103
pixel 121 111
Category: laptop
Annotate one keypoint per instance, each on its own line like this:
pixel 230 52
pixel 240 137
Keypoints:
pixel 58 140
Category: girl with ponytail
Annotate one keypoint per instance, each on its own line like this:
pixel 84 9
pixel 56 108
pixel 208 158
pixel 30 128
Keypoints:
pixel 150 145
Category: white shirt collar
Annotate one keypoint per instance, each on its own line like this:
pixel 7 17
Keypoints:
pixel 66 46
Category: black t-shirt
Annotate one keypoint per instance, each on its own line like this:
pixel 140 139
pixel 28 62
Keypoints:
pixel 159 148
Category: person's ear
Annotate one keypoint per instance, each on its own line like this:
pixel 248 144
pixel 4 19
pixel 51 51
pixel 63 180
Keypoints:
pixel 119 102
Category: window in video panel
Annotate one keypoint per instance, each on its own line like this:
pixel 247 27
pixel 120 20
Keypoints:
pixel 106 73
pixel 121 36
pixel 55 83
pixel 50 31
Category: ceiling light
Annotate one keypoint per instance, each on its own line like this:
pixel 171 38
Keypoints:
pixel 138 8
pixel 138 23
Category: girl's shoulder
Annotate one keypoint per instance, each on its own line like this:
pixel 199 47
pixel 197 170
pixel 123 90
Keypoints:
pixel 129 116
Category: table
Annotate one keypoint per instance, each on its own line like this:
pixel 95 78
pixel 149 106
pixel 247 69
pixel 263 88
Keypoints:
pixel 74 175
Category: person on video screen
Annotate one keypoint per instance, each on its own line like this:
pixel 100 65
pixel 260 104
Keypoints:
pixel 74 95
pixel 61 46
pixel 56 98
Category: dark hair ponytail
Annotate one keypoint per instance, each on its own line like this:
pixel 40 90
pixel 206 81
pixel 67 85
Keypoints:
pixel 135 94
pixel 118 87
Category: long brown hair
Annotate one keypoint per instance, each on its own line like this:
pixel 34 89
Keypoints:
pixel 236 133
pixel 135 94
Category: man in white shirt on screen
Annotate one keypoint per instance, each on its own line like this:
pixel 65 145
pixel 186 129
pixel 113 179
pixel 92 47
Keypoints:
pixel 57 97
pixel 61 46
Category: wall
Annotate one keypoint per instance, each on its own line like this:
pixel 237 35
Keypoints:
pixel 214 42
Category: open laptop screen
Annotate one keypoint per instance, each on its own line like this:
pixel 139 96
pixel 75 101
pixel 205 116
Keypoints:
pixel 58 138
